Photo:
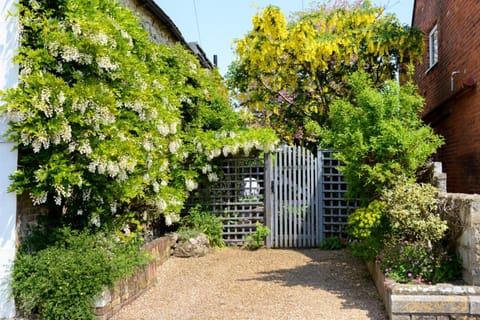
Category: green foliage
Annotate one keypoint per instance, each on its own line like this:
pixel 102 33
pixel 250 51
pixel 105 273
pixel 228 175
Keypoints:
pixel 332 243
pixel 364 221
pixel 61 280
pixel 418 263
pixel 366 249
pixel 378 135
pixel 411 209
pixel 108 123
pixel 198 219
pixel 257 239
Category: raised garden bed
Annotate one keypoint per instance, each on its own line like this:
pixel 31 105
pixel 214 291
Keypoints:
pixel 426 302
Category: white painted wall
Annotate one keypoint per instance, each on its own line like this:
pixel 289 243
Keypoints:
pixel 8 159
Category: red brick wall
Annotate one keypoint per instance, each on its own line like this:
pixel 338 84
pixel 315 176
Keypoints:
pixel 453 114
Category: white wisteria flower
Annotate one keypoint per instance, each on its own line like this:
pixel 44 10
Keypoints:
pixel 212 177
pixel 190 184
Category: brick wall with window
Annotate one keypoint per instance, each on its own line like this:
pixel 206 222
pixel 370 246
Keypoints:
pixel 447 81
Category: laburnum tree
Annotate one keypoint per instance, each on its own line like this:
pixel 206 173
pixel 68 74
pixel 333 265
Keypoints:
pixel 288 72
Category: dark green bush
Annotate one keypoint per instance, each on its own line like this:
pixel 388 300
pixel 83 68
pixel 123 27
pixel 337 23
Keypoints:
pixel 201 220
pixel 61 281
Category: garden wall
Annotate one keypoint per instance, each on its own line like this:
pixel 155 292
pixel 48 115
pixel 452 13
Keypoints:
pixel 128 289
pixel 462 212
pixel 442 301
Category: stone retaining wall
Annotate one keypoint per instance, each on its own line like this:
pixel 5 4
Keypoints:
pixel 462 212
pixel 128 289
pixel 424 302
pixel 442 301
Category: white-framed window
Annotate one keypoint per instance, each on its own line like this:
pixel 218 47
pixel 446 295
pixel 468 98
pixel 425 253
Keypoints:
pixel 433 45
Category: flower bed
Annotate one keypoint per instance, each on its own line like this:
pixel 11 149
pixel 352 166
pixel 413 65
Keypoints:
pixel 432 302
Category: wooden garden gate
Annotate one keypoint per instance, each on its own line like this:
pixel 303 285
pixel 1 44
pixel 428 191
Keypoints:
pixel 297 194
pixel 304 198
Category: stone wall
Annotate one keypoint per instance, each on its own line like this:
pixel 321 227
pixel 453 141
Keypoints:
pixel 462 212
pixel 111 300
pixel 159 32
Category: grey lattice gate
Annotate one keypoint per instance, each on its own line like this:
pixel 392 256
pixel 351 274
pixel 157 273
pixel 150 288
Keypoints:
pixel 304 201
pixel 297 194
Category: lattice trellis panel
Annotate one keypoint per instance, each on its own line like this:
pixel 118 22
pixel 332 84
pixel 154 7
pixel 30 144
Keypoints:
pixel 237 197
pixel 335 208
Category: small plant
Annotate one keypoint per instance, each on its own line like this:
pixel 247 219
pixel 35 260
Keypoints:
pixel 200 220
pixel 257 239
pixel 364 221
pixel 332 243
pixel 418 263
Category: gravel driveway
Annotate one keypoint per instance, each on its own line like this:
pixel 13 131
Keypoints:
pixel 263 284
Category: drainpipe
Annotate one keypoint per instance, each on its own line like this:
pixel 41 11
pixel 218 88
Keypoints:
pixel 452 80
pixel 8 201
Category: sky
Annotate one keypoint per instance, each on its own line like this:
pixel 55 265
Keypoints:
pixel 215 24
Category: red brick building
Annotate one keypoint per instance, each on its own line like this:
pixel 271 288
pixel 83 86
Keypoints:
pixel 447 79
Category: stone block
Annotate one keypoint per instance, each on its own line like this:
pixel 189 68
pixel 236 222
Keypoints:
pixel 474 305
pixel 434 304
pixel 424 317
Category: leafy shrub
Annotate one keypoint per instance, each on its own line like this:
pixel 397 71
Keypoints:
pixel 419 263
pixel 60 281
pixel 257 239
pixel 202 221
pixel 379 135
pixel 411 209
pixel 364 221
pixel 332 243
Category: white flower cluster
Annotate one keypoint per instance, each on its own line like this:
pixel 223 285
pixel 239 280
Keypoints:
pixel 101 38
pixel 138 107
pixel 206 169
pixel 211 154
pixel 212 177
pixel 70 53
pixel 36 141
pixel 61 192
pixel 173 146
pixel 113 169
pixel 105 64
pixel 39 200
pixel 170 218
pixel 163 129
pixel 64 133
pixel 190 184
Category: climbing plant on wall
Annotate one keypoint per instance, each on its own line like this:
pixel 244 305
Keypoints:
pixel 110 125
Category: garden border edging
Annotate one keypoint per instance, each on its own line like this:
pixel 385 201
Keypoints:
pixel 427 302
pixel 125 290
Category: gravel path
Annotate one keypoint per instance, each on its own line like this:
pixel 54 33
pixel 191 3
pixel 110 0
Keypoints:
pixel 263 284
